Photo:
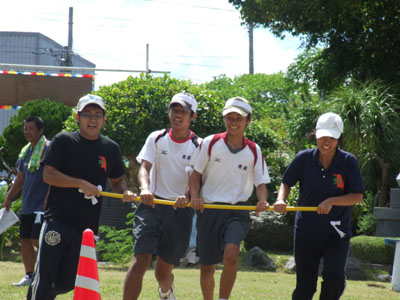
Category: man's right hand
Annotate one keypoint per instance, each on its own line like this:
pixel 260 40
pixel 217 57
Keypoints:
pixel 90 189
pixel 7 203
pixel 280 206
pixel 147 197
pixel 197 203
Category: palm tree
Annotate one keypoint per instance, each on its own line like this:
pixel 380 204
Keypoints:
pixel 370 112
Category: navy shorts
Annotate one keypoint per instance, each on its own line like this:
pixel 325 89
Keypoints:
pixel 162 231
pixel 58 257
pixel 28 229
pixel 218 227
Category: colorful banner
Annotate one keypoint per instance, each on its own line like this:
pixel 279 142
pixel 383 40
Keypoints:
pixel 11 72
pixel 9 107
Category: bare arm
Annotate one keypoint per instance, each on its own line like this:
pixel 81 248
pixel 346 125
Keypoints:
pixel 346 200
pixel 283 193
pixel 262 194
pixel 56 178
pixel 146 196
pixel 194 187
pixel 14 190
pixel 119 186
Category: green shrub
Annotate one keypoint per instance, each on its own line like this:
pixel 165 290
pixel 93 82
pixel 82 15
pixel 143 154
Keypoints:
pixel 367 225
pixel 372 249
pixel 9 239
pixel 362 219
pixel 53 114
pixel 117 244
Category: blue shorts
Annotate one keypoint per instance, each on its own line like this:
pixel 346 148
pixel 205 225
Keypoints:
pixel 216 228
pixel 162 231
pixel 28 229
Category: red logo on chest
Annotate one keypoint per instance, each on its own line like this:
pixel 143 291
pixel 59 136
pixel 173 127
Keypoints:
pixel 103 163
pixel 338 181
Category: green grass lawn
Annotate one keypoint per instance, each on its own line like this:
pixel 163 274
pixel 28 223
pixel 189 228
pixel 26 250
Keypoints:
pixel 250 285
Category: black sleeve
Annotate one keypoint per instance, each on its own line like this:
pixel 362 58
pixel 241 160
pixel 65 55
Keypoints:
pixel 53 154
pixel 117 168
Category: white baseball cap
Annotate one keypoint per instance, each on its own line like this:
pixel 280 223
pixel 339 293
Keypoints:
pixel 185 99
pixel 329 124
pixel 237 105
pixel 90 99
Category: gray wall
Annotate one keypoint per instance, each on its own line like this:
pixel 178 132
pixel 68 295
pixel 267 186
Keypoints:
pixel 33 48
pixel 5 116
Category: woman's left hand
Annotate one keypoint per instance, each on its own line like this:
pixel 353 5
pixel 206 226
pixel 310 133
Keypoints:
pixel 325 207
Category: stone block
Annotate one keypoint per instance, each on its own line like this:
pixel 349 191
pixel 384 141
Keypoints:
pixel 395 198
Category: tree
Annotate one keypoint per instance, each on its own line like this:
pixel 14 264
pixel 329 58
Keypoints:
pixel 53 115
pixel 360 38
pixel 370 112
pixel 268 93
pixel 139 105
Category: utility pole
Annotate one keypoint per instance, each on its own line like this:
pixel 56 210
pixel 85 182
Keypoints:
pixel 66 57
pixel 147 58
pixel 70 24
pixel 251 51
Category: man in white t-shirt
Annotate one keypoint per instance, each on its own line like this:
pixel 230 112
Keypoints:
pixel 164 230
pixel 226 169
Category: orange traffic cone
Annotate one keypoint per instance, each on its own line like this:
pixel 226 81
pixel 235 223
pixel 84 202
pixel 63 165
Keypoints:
pixel 87 278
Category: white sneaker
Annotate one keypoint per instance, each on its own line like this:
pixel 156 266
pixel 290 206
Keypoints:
pixel 24 281
pixel 168 296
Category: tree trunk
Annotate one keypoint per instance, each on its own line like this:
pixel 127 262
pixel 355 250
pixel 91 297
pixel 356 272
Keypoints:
pixel 131 172
pixel 383 194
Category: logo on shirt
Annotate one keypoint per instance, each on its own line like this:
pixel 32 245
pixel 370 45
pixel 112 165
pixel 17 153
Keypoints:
pixel 164 152
pixel 217 159
pixel 188 157
pixel 241 167
pixel 338 181
pixel 103 163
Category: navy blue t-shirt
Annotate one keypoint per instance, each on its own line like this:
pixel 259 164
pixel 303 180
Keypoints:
pixel 34 189
pixel 342 177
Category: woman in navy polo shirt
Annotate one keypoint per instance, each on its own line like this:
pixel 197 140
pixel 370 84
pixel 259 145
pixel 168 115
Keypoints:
pixel 330 179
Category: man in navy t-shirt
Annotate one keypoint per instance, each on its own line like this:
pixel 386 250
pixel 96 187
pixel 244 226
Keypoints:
pixel 34 191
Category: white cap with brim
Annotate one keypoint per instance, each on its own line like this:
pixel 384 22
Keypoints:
pixel 90 99
pixel 235 110
pixel 329 124
pixel 186 100
pixel 237 106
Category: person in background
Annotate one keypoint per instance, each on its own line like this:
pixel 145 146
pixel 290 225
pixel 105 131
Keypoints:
pixel 226 169
pixel 330 179
pixel 34 191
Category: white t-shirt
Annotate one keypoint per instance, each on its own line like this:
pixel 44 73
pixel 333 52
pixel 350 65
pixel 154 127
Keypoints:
pixel 229 177
pixel 169 158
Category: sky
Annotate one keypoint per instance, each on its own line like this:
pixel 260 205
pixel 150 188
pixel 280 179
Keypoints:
pixel 192 39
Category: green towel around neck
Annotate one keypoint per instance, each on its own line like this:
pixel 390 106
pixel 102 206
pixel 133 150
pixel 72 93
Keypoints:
pixel 34 162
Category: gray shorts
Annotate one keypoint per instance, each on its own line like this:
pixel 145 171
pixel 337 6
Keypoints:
pixel 216 228
pixel 162 231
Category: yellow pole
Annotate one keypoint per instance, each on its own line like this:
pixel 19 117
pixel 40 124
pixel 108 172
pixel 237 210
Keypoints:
pixel 216 206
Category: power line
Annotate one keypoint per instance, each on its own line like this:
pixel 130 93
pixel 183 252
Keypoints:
pixel 63 68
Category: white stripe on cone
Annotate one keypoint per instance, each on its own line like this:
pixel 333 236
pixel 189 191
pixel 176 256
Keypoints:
pixel 87 283
pixel 88 252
